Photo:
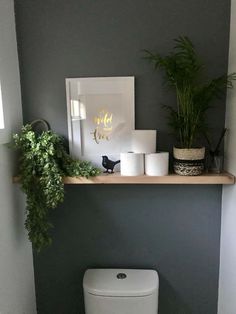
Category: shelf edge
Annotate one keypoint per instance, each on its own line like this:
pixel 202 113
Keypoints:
pixel 224 178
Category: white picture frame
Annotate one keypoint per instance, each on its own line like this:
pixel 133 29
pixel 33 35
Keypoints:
pixel 100 112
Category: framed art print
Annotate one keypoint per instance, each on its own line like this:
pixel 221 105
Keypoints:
pixel 100 113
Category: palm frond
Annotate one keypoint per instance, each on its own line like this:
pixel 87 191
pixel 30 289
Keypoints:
pixel 182 69
pixel 186 57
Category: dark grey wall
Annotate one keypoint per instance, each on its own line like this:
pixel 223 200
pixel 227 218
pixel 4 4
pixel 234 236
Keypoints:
pixel 174 229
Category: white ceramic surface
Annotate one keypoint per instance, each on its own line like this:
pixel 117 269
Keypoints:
pixel 136 292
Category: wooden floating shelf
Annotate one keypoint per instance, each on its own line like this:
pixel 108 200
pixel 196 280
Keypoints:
pixel 116 178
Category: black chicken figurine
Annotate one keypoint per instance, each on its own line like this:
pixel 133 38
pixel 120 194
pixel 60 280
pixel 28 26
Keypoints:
pixel 109 164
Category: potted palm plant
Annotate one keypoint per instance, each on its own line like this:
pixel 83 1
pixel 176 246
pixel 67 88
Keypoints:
pixel 194 96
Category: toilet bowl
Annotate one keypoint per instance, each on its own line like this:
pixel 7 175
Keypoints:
pixel 121 291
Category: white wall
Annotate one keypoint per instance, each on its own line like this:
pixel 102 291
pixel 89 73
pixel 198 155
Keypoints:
pixel 17 293
pixel 9 77
pixel 227 280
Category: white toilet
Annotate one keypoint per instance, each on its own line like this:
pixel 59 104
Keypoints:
pixel 121 291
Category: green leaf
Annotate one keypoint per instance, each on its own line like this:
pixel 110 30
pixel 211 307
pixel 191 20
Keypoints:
pixel 43 163
pixel 183 71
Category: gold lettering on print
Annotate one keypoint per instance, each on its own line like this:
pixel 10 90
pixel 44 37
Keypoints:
pixel 103 126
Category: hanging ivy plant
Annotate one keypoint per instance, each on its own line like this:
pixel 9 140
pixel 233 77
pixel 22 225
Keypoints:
pixel 44 162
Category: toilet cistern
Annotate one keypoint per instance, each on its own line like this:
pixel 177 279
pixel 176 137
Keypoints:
pixel 121 291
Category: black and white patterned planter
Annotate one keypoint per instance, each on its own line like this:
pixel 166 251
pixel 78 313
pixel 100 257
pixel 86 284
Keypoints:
pixel 189 161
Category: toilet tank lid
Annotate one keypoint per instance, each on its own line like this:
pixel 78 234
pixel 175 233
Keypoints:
pixel 121 282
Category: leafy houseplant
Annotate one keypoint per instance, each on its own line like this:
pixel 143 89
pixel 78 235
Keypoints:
pixel 43 163
pixel 183 73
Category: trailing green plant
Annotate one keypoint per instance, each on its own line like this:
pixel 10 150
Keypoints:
pixel 184 73
pixel 44 162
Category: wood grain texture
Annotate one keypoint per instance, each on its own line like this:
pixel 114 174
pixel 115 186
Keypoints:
pixel 116 178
